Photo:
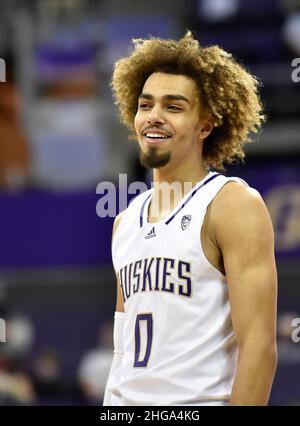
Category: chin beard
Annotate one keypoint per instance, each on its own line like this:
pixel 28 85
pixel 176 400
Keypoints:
pixel 153 159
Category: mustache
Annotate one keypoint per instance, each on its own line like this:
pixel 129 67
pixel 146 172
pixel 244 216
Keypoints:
pixel 146 129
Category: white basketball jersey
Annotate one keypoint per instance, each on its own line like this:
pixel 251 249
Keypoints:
pixel 179 344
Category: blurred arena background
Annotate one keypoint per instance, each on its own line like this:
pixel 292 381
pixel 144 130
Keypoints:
pixel 60 137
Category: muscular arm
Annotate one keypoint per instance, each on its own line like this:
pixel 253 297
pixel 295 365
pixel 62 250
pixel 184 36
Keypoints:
pixel 244 234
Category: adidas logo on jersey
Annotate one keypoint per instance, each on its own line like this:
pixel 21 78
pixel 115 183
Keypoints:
pixel 151 234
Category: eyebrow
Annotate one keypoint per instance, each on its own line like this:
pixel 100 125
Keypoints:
pixel 165 97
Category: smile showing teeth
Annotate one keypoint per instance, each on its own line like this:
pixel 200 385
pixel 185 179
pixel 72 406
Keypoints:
pixel 156 136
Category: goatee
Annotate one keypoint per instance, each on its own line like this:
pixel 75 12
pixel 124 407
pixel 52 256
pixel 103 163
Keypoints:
pixel 153 159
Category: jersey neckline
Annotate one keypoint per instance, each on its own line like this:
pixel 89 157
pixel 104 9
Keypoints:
pixel 171 215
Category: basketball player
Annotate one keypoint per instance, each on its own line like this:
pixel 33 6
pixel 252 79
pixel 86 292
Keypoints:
pixel 196 280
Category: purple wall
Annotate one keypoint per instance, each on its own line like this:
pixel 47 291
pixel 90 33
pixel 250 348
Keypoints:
pixel 43 229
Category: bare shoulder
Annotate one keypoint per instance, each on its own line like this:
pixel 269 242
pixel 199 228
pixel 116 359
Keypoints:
pixel 235 194
pixel 238 209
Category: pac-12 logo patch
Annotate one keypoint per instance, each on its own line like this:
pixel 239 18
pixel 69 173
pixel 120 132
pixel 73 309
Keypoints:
pixel 185 221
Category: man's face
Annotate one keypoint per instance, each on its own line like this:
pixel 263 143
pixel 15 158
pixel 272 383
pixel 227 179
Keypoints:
pixel 167 123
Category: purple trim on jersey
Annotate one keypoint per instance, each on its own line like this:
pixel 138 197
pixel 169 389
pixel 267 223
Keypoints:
pixel 142 211
pixel 182 205
pixel 190 197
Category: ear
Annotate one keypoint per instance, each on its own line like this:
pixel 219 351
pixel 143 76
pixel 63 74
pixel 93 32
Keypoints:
pixel 205 128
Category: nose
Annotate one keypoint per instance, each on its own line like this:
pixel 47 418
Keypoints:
pixel 155 116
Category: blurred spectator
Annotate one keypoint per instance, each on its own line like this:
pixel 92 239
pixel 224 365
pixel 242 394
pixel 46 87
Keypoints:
pixel 16 389
pixel 48 379
pixel 20 335
pixel 291 32
pixel 291 26
pixel 218 10
pixel 13 146
pixel 95 364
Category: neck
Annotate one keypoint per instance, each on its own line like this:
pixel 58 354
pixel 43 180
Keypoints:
pixel 172 184
pixel 183 175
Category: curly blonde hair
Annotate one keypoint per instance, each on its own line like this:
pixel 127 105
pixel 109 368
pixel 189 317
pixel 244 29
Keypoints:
pixel 229 92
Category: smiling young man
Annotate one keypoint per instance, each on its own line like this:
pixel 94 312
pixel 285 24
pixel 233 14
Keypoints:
pixel 196 277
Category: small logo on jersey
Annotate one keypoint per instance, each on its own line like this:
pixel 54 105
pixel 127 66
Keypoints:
pixel 151 234
pixel 185 221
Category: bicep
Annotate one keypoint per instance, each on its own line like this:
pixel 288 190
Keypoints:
pixel 247 243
